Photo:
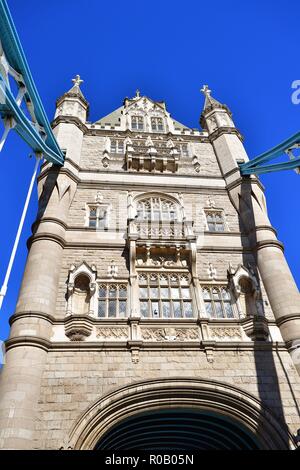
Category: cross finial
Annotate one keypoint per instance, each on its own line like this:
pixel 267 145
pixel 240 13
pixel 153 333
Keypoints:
pixel 77 80
pixel 137 93
pixel 205 90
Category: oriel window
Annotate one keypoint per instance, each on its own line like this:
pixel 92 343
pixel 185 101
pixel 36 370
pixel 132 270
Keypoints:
pixel 165 295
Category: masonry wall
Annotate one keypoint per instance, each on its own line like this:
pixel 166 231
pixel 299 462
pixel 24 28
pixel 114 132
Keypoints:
pixel 73 380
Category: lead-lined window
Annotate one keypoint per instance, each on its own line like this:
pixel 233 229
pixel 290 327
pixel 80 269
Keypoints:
pixel 116 146
pixel 165 296
pixel 97 217
pixel 112 300
pixel 215 221
pixel 184 150
pixel 157 124
pixel 137 123
pixel 218 302
pixel 156 209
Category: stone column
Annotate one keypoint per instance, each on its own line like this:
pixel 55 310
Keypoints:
pixel 31 324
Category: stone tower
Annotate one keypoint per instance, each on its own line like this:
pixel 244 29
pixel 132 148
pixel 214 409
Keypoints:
pixel 155 287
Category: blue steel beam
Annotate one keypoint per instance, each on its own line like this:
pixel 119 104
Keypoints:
pixel 43 142
pixel 255 166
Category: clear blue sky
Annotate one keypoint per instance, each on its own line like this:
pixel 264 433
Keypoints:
pixel 247 52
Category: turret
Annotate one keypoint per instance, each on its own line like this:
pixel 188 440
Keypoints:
pixel 70 117
pixel 247 195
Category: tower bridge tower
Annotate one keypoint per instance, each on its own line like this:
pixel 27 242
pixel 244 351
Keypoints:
pixel 155 288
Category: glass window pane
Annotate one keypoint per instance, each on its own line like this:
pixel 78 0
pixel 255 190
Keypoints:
pixel 112 308
pixel 102 291
pixel 112 291
pixel 216 294
pixel 143 292
pixel 206 294
pixel 228 310
pixel 101 308
pixel 175 293
pixel 155 309
pixel 209 310
pixel 144 309
pixel 166 309
pixel 164 293
pixel 219 310
pixel 156 214
pixel 187 307
pixel 185 292
pixel 211 227
pixel 225 294
pixel 177 309
pixel 122 308
pixel 220 227
pixel 164 280
pixel 92 223
pixel 122 291
pixel 154 292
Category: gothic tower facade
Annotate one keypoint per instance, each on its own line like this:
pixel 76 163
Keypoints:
pixel 155 287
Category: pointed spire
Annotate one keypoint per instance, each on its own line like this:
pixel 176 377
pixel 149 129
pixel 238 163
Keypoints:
pixel 66 103
pixel 75 90
pixel 210 102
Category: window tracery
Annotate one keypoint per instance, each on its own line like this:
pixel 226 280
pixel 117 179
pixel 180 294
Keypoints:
pixel 165 295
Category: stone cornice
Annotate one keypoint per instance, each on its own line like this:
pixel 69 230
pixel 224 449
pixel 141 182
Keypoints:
pixel 46 236
pixel 70 120
pixel 62 171
pixel 242 180
pixel 225 130
pixel 269 243
pixel 46 345
pixel 293 316
pixel 69 94
pixel 53 220
pixel 32 314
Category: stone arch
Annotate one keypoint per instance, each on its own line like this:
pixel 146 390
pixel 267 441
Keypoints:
pixel 151 196
pixel 174 393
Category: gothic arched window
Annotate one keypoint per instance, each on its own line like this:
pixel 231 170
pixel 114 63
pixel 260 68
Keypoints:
pixel 218 302
pixel 112 300
pixel 157 209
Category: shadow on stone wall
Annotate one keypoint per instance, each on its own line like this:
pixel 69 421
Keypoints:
pixel 267 376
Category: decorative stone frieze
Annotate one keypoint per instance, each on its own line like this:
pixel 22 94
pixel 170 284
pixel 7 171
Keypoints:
pixel 112 333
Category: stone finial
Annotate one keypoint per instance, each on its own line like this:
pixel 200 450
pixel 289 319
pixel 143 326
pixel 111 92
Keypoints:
pixel 137 93
pixel 205 90
pixel 77 80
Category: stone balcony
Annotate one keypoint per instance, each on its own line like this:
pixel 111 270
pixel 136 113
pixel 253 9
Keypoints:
pixel 150 159
pixel 161 231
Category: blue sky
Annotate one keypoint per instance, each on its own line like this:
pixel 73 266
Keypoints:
pixel 246 51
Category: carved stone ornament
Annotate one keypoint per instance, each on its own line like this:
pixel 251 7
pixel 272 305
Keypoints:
pixel 77 328
pixel 112 333
pixel 170 334
pixel 225 333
